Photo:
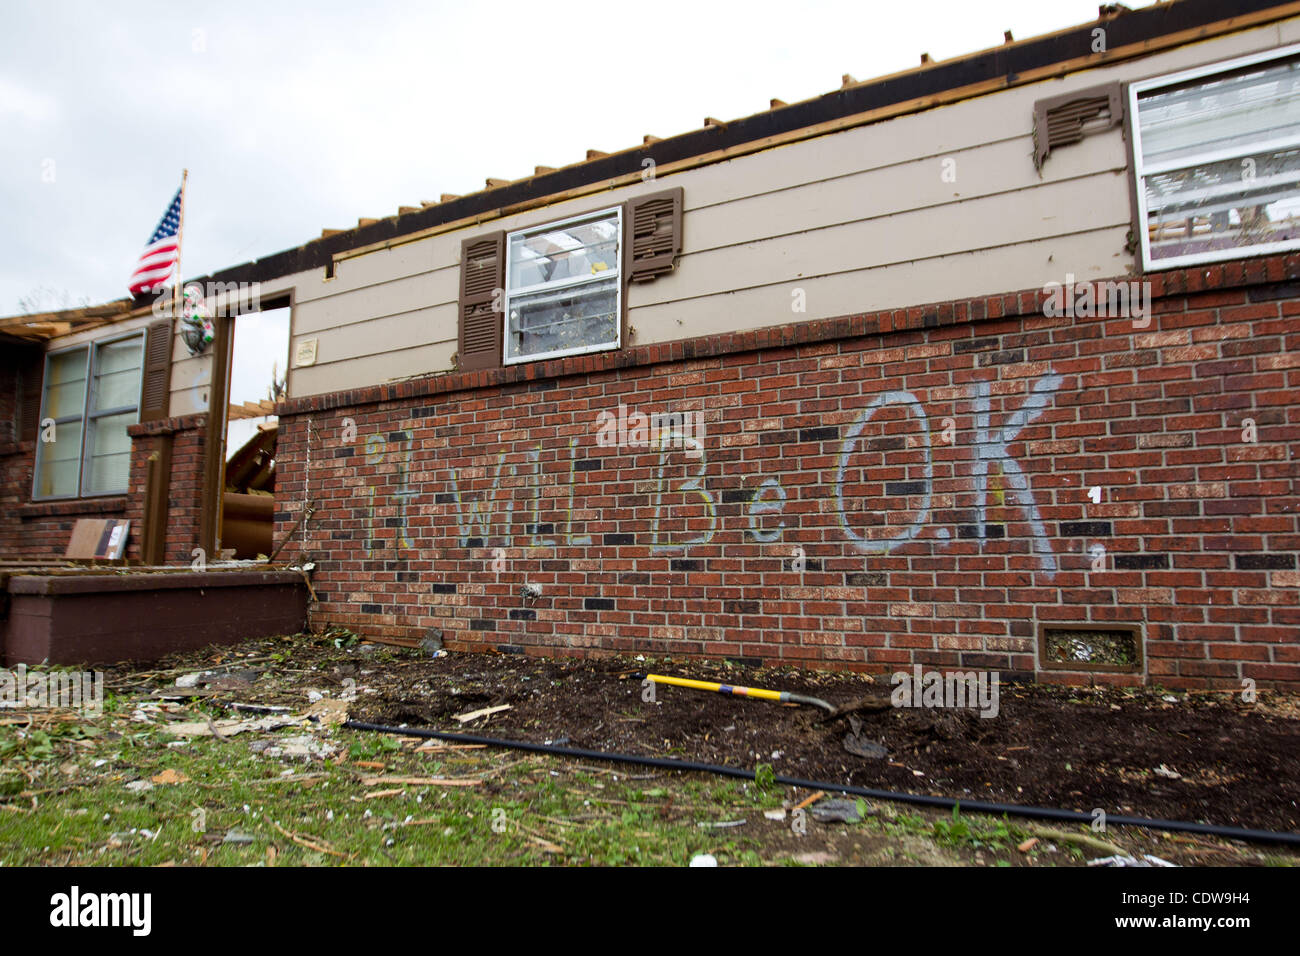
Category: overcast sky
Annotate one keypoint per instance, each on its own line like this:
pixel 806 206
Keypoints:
pixel 292 117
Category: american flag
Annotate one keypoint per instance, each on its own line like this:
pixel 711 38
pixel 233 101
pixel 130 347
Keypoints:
pixel 160 255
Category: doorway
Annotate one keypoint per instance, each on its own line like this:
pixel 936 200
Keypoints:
pixel 258 358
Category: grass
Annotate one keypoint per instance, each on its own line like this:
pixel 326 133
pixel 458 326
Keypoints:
pixel 231 806
pixel 119 790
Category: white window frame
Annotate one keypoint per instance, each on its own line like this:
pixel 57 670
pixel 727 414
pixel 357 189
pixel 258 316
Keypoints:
pixel 560 284
pixel 1141 172
pixel 86 417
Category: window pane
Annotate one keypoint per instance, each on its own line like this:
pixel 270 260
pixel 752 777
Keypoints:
pixel 579 249
pixel 117 374
pixel 109 453
pixel 562 320
pixel 59 462
pixel 1233 204
pixel 65 385
pixel 1251 105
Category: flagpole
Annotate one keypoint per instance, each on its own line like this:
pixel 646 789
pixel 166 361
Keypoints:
pixel 180 236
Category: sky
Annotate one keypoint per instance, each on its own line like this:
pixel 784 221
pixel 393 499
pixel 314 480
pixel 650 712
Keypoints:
pixel 292 117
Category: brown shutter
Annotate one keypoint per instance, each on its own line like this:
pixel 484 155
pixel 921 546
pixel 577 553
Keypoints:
pixel 155 393
pixel 29 410
pixel 1062 120
pixel 482 273
pixel 654 234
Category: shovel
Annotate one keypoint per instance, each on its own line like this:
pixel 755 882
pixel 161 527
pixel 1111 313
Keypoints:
pixel 781 696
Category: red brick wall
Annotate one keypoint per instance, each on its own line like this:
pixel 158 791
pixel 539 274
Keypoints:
pixel 40 530
pixel 27 529
pixel 184 497
pixel 820 528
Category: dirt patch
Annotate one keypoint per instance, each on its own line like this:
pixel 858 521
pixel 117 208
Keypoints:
pixel 1210 758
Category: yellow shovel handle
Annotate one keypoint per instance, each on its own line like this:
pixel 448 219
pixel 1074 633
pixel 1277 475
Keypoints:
pixel 739 691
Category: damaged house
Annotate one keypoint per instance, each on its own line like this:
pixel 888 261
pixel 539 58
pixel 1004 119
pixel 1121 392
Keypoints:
pixel 994 363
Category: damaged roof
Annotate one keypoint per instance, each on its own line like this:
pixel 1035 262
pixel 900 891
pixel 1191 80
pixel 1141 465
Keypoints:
pixel 1129 33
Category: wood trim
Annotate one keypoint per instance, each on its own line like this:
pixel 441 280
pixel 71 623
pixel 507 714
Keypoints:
pixel 157 488
pixel 214 442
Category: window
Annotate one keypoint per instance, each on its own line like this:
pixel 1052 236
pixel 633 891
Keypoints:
pixel 560 288
pixel 92 393
pixel 1217 156
pixel 563 288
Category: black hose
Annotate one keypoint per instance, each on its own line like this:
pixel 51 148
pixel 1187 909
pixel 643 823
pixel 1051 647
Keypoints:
pixel 947 803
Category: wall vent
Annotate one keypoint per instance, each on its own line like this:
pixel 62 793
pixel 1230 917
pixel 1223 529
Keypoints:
pixel 1116 648
pixel 1067 119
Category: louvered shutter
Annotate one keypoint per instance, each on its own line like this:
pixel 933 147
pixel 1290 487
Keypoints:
pixel 654 234
pixel 29 397
pixel 156 390
pixel 482 273
pixel 1062 120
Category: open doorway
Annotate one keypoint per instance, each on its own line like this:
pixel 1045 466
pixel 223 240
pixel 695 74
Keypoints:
pixel 259 357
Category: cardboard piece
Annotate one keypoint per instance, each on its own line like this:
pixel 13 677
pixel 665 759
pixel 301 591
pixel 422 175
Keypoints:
pixel 102 538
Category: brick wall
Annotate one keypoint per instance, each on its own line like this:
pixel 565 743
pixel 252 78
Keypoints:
pixel 28 529
pixel 186 435
pixel 876 490
pixel 41 530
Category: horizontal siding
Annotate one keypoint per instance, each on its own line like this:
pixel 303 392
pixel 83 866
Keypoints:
pixel 860 220
pixel 870 289
pixel 368 369
pixel 1077 206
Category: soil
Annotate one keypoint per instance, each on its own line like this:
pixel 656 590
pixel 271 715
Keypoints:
pixel 1138 752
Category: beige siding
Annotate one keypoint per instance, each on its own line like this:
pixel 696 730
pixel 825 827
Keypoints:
pixel 859 220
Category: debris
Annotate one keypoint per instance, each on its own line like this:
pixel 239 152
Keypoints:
pixel 139 786
pixel 774 814
pixel 483 712
pixel 319 846
pixel 1119 860
pixel 169 776
pixel 304 747
pixel 181 693
pixel 422 781
pixel 228 728
pixel 815 858
pixel 189 680
pixel 431 644
pixel 721 824
pixel 837 811
pixel 236 836
pixel 1028 845
pixel 1163 771
pixel 862 746
pixel 704 859
pixel 1083 839
pixel 810 800
pixel 329 711
pixel 259 708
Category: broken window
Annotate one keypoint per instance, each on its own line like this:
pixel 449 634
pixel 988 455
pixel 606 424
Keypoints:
pixel 563 288
pixel 1217 155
